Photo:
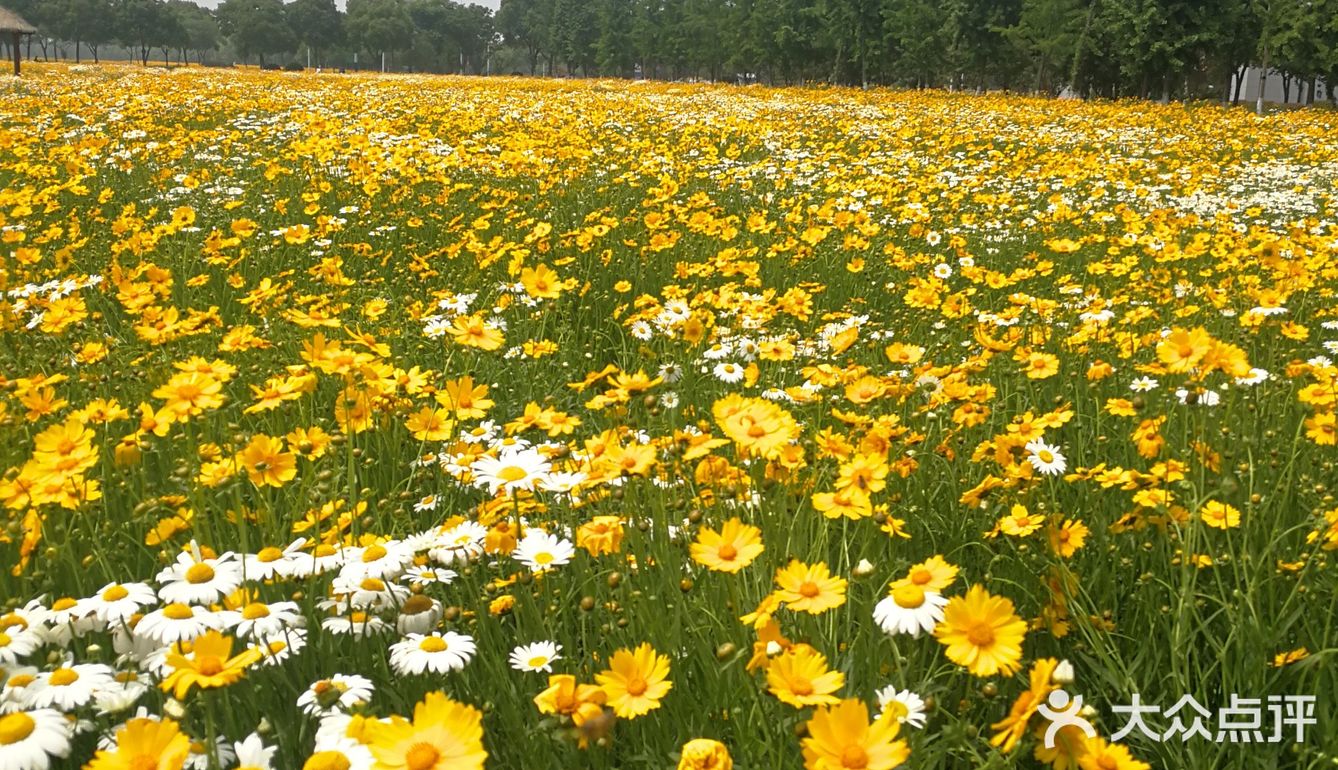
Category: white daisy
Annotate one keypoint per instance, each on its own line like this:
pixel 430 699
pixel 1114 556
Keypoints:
pixel 200 581
pixel 15 643
pixel 69 687
pixel 425 576
pixel 524 469
pixel 354 624
pixel 115 603
pixel 1045 458
pixel 537 656
pixel 438 653
pixel 30 739
pixel 177 622
pixel 271 561
pixel 906 706
pixel 280 647
pixel 1143 385
pixel 380 560
pixel 340 692
pixel 323 558
pixel 252 754
pixel 365 593
pixel 418 615
pixel 909 610
pixel 460 543
pixel 728 372
pixel 260 619
pixel 541 551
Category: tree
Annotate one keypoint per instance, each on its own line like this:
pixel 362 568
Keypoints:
pixel 1048 33
pixel 318 24
pixel 256 27
pixel 379 26
pixel 140 25
pixel 199 27
pixel 82 22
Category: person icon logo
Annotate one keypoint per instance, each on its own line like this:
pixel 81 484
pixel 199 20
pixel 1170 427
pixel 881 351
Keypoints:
pixel 1063 711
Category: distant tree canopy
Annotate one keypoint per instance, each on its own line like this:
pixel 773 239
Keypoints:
pixel 1147 48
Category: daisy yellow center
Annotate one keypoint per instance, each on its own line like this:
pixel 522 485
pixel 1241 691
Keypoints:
pixel 512 473
pixel 538 661
pixel 328 760
pixel 921 576
pixel 209 665
pixel 177 611
pixel 324 550
pixel 15 727
pixel 809 589
pixel 909 596
pixel 636 686
pixel 20 680
pixel 1046 456
pixel 432 644
pixel 543 557
pixel 854 758
pixel 421 756
pixel 373 584
pixel 269 554
pixel 62 677
pixel 373 553
pixel 199 573
pixel 898 709
pixel 4 639
pixel 255 611
pixel 727 552
pixel 115 594
pixel 63 604
pixel 981 634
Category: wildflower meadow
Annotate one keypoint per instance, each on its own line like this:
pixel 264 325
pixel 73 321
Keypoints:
pixel 409 422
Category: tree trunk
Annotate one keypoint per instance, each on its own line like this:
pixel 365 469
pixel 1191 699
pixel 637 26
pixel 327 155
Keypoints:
pixel 76 50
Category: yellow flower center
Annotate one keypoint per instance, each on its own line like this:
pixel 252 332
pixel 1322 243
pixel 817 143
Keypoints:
pixel 538 661
pixel 327 760
pixel 374 552
pixel 177 611
pixel 63 604
pixel 373 584
pixel 1107 762
pixel 269 554
pixel 15 727
pixel 802 687
pixel 4 639
pixel 432 644
pixel 199 573
pixel 809 589
pixel 255 610
pixel 1046 456
pixel 421 756
pixel 512 473
pixel 543 557
pixel 208 665
pixel 115 594
pixel 143 762
pixel 64 676
pixel 727 552
pixel 921 576
pixel 909 596
pixel 981 635
pixel 636 686
pixel 854 758
pixel 324 549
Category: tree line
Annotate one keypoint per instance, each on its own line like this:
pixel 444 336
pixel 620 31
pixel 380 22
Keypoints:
pixel 1111 48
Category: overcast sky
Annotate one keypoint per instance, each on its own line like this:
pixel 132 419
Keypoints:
pixel 489 3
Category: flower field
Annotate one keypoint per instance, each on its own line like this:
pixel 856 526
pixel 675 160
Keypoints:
pixel 420 422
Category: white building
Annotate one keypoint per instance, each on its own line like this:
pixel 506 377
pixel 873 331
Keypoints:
pixel 1249 92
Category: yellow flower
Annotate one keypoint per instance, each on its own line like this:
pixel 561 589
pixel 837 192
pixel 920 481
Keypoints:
pixel 636 681
pixel 1100 755
pixel 600 535
pixel 982 633
pixel 1014 726
pixel 932 574
pixel 145 744
pixel 800 678
pixel 841 738
pixel 210 664
pixel 809 589
pixel 1219 515
pixel 266 463
pixel 541 282
pixel 472 331
pixel 705 754
pixel 731 549
pixel 564 696
pixel 444 735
